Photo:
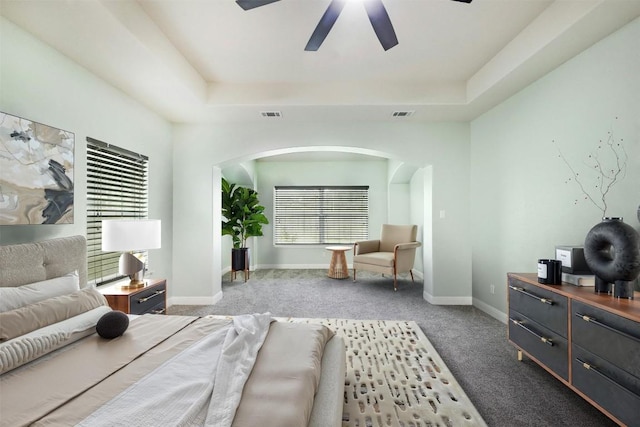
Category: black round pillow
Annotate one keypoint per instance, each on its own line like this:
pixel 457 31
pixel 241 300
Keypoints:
pixel 112 324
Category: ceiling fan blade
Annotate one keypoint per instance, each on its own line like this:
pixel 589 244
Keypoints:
pixel 381 23
pixel 464 1
pixel 325 24
pixel 252 4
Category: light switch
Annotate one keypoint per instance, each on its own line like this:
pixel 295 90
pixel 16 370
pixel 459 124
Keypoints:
pixel 442 214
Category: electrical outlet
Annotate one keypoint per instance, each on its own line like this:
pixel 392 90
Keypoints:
pixel 492 289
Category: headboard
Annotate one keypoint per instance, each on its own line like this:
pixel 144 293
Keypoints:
pixel 33 262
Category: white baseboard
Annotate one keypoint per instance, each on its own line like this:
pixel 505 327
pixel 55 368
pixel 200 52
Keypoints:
pixel 447 300
pixel 324 266
pixel 491 311
pixel 194 300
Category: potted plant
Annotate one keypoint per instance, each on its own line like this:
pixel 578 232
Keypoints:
pixel 242 218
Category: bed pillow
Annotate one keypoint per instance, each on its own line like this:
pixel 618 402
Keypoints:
pixel 25 319
pixel 25 348
pixel 16 297
pixel 112 324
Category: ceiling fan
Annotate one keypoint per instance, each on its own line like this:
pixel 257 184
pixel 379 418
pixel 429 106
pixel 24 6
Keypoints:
pixel 376 11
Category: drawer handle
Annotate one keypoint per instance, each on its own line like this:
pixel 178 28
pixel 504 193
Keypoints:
pixel 153 295
pixel 607 327
pixel 520 323
pixel 158 311
pixel 523 291
pixel 592 368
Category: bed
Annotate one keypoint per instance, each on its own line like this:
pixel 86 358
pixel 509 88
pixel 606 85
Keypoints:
pixel 163 370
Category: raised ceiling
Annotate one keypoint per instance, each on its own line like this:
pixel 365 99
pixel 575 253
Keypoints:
pixel 211 61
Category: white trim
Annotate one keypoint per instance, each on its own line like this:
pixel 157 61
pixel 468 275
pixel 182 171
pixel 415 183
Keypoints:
pixel 491 311
pixel 324 266
pixel 447 300
pixel 194 300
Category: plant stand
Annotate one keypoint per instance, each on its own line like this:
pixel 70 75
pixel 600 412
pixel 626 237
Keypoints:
pixel 240 262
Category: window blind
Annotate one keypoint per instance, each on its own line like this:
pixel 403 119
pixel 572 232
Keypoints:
pixel 117 188
pixel 312 215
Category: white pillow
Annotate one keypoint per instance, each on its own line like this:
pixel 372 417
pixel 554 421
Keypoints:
pixel 12 298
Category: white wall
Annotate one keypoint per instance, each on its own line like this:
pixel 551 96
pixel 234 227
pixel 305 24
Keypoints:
pixel 39 84
pixel 415 215
pixel 521 207
pixel 372 173
pixel 398 203
pixel 199 150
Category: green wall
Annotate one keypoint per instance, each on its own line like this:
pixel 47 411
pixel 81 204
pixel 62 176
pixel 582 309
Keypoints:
pixel 39 84
pixel 521 205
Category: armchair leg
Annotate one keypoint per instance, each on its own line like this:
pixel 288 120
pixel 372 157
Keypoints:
pixel 411 272
pixel 395 282
pixel 354 274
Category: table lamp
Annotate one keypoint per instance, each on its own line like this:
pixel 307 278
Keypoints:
pixel 130 235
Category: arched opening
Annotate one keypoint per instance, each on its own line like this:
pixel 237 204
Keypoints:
pixel 407 190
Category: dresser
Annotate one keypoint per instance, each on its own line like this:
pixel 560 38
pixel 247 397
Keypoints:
pixel 152 298
pixel 589 342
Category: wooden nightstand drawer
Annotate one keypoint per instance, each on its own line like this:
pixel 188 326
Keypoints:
pixel 152 298
pixel 148 299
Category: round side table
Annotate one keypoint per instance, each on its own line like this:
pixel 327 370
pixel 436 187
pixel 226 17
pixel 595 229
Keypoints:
pixel 338 265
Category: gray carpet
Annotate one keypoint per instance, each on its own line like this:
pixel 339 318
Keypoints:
pixel 473 345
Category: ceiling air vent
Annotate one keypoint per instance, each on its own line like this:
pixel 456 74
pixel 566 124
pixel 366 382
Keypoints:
pixel 271 114
pixel 401 114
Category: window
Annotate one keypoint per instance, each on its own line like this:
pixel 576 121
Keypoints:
pixel 321 215
pixel 117 188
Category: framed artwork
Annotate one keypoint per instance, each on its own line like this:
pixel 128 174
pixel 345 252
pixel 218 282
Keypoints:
pixel 36 172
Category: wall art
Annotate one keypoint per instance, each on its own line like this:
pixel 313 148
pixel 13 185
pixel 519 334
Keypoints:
pixel 36 172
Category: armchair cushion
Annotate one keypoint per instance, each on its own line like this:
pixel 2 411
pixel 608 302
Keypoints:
pixel 383 259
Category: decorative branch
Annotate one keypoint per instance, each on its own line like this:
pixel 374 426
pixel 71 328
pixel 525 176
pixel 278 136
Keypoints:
pixel 605 177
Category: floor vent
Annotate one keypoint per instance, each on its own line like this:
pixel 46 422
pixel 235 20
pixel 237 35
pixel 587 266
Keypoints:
pixel 271 114
pixel 400 114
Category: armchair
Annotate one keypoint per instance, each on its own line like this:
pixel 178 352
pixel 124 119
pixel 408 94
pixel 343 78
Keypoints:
pixel 393 253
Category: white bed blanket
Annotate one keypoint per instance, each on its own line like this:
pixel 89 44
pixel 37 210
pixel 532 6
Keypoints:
pixel 206 382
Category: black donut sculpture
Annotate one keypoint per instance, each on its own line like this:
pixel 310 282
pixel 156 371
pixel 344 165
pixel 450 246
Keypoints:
pixel 612 251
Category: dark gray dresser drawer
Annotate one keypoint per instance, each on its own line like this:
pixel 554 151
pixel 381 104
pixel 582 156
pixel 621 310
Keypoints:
pixel 150 299
pixel 606 335
pixel 545 345
pixel 545 307
pixel 613 389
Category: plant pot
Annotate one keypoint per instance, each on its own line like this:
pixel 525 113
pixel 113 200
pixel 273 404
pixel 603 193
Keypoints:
pixel 239 259
pixel 240 262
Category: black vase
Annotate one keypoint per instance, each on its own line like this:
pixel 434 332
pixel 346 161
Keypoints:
pixel 612 251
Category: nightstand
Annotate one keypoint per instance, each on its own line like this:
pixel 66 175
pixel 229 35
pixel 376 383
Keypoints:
pixel 151 298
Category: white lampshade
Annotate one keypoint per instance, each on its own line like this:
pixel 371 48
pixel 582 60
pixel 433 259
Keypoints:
pixel 131 234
